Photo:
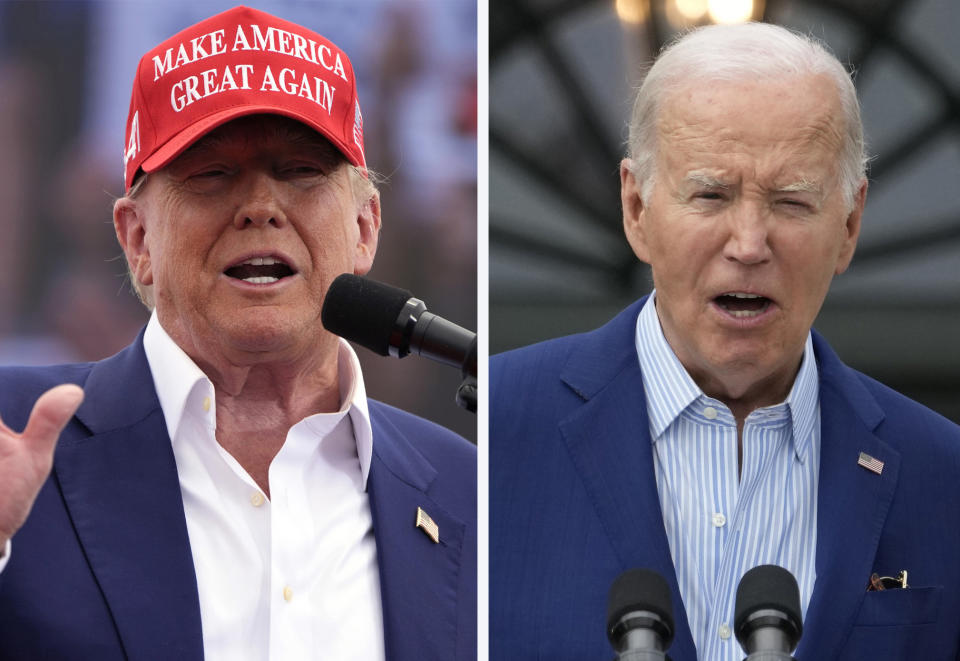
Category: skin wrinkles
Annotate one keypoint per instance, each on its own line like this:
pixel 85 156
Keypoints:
pixel 693 135
pixel 257 186
pixel 802 192
pixel 746 199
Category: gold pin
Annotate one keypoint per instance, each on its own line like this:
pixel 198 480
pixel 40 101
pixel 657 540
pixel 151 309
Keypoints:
pixel 870 463
pixel 427 525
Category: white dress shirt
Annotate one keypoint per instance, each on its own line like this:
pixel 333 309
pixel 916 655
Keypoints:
pixel 718 526
pixel 290 577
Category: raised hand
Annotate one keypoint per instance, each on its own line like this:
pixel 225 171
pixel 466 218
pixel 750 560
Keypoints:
pixel 26 458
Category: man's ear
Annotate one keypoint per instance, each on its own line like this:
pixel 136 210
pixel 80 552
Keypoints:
pixel 633 211
pixel 132 235
pixel 851 229
pixel 368 222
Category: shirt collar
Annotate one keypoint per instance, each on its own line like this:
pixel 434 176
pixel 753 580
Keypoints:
pixel 804 400
pixel 178 381
pixel 670 389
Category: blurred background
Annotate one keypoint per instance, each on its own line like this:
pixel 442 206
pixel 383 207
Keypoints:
pixel 66 70
pixel 562 75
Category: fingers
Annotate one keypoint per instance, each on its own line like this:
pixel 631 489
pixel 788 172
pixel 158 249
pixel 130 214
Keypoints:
pixel 51 414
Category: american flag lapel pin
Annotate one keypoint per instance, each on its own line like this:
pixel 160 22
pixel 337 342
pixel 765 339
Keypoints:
pixel 427 525
pixel 872 464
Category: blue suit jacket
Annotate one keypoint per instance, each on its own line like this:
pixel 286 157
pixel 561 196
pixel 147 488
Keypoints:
pixel 574 502
pixel 102 568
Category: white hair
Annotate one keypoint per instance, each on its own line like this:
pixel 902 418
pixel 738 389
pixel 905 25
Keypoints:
pixel 735 52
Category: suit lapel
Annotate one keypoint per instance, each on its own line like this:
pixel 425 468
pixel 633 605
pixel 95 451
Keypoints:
pixel 417 575
pixel 121 489
pixel 619 476
pixel 852 506
pixel 608 438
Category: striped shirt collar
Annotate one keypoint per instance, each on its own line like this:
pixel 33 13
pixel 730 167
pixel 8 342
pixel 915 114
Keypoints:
pixel 670 389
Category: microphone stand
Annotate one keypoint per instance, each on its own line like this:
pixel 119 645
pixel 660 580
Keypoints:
pixel 467 392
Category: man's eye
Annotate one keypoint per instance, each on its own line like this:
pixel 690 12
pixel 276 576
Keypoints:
pixel 302 170
pixel 708 195
pixel 209 173
pixel 796 205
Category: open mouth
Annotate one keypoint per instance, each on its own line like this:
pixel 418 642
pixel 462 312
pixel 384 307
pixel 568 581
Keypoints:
pixel 260 270
pixel 743 306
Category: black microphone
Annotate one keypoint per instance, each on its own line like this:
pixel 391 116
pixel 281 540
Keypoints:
pixel 767 618
pixel 391 322
pixel 640 616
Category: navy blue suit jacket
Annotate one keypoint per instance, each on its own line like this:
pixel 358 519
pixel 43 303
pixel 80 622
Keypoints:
pixel 574 502
pixel 102 569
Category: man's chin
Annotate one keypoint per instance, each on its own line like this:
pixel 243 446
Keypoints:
pixel 742 356
pixel 747 367
pixel 266 331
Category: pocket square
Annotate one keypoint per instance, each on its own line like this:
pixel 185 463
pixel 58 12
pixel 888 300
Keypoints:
pixel 878 582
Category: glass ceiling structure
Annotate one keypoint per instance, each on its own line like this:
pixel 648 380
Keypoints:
pixel 561 79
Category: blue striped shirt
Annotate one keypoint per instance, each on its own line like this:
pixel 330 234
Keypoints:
pixel 719 526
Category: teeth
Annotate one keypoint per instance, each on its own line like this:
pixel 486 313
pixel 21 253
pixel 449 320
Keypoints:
pixel 261 280
pixel 737 294
pixel 745 314
pixel 262 261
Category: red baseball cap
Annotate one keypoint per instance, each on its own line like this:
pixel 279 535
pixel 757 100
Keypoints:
pixel 240 62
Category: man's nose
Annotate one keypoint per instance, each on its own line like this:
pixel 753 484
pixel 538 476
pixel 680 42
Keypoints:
pixel 259 202
pixel 749 235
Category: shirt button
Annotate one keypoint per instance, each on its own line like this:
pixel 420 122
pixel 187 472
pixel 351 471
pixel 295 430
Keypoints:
pixel 288 595
pixel 719 519
pixel 256 499
pixel 206 404
pixel 710 412
pixel 724 631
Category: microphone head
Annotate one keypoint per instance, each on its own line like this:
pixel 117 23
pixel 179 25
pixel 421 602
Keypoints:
pixel 640 590
pixel 767 587
pixel 363 311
